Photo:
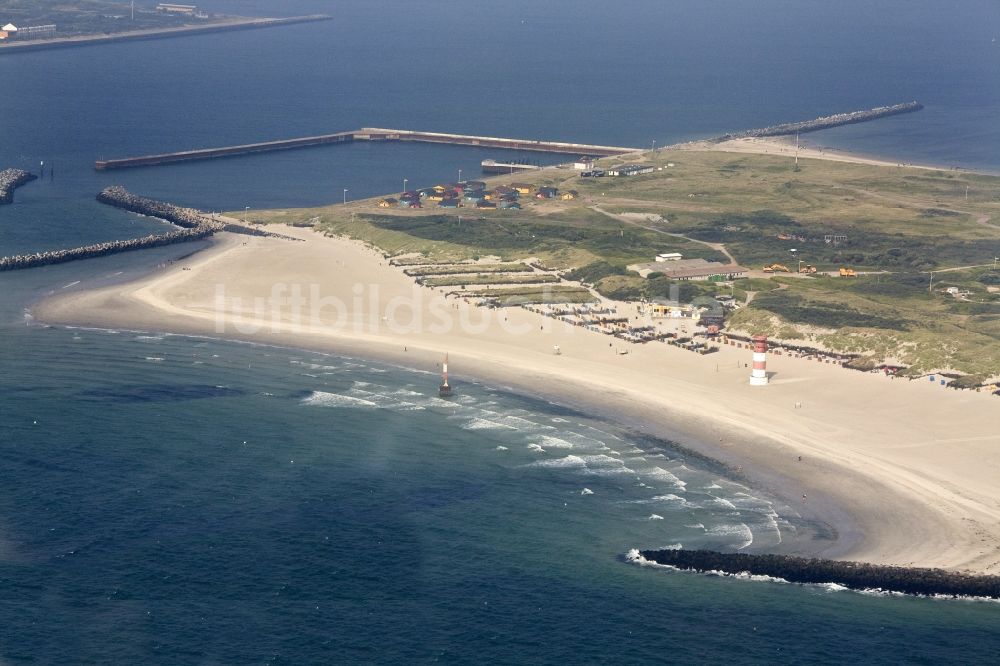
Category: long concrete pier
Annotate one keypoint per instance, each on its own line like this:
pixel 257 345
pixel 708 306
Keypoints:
pixel 365 134
pixel 156 33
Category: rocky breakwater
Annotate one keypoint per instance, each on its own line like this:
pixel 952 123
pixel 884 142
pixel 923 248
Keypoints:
pixel 852 575
pixel 194 226
pixel 188 218
pixel 10 180
pixel 826 122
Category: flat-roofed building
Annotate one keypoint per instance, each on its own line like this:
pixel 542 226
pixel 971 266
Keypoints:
pixel 630 170
pixel 173 8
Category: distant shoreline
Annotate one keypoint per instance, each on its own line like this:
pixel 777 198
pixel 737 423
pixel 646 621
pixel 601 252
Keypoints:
pixel 159 33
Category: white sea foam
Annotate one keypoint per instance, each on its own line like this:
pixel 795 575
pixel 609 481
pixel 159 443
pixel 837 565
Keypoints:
pixel 661 474
pixel 536 448
pixel 568 462
pixel 484 424
pixel 723 502
pixel 550 442
pixel 586 491
pixel 654 516
pixel 501 448
pixel 154 359
pixel 739 530
pixel 384 401
pixel 324 399
pixel 408 393
pixel 601 464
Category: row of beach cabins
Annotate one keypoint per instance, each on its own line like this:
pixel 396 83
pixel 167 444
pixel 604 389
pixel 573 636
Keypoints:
pixel 604 319
pixel 474 194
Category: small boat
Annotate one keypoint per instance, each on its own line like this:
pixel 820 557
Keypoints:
pixel 445 390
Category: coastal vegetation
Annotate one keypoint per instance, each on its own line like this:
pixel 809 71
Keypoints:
pixel 922 243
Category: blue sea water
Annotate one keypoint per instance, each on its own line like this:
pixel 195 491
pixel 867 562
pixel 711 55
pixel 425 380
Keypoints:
pixel 176 500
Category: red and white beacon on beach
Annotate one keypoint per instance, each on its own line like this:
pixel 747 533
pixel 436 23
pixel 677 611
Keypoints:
pixel 758 377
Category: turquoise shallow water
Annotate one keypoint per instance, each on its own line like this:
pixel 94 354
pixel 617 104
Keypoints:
pixel 173 500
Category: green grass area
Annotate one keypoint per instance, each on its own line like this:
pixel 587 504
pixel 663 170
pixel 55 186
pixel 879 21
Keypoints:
pixel 903 222
pixel 561 241
pixel 91 17
pixel 888 316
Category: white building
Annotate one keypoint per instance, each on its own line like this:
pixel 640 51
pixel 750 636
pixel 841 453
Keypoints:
pixel 631 170
pixel 669 256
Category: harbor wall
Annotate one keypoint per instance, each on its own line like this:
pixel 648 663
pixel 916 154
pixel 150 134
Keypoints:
pixel 10 180
pixel 364 134
pixel 853 575
pixel 88 40
pixel 533 145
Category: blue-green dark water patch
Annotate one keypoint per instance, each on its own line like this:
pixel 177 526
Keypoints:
pixel 158 393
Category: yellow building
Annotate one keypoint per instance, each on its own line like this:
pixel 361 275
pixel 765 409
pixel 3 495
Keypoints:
pixel 522 188
pixel 568 196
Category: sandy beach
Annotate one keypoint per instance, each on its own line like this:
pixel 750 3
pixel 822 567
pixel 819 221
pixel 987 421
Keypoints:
pixel 785 146
pixel 903 472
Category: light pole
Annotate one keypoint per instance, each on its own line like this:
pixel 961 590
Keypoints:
pixel 460 175
pixel 345 196
pixel 246 211
pixel 405 181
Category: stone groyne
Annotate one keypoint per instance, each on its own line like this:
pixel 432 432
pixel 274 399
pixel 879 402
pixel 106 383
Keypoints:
pixel 194 226
pixel 101 249
pixel 10 180
pixel 853 575
pixel 188 218
pixel 826 122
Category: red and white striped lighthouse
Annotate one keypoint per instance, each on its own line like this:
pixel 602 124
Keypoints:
pixel 758 377
pixel 445 390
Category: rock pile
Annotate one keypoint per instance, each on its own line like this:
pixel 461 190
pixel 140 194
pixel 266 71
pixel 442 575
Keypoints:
pixel 10 180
